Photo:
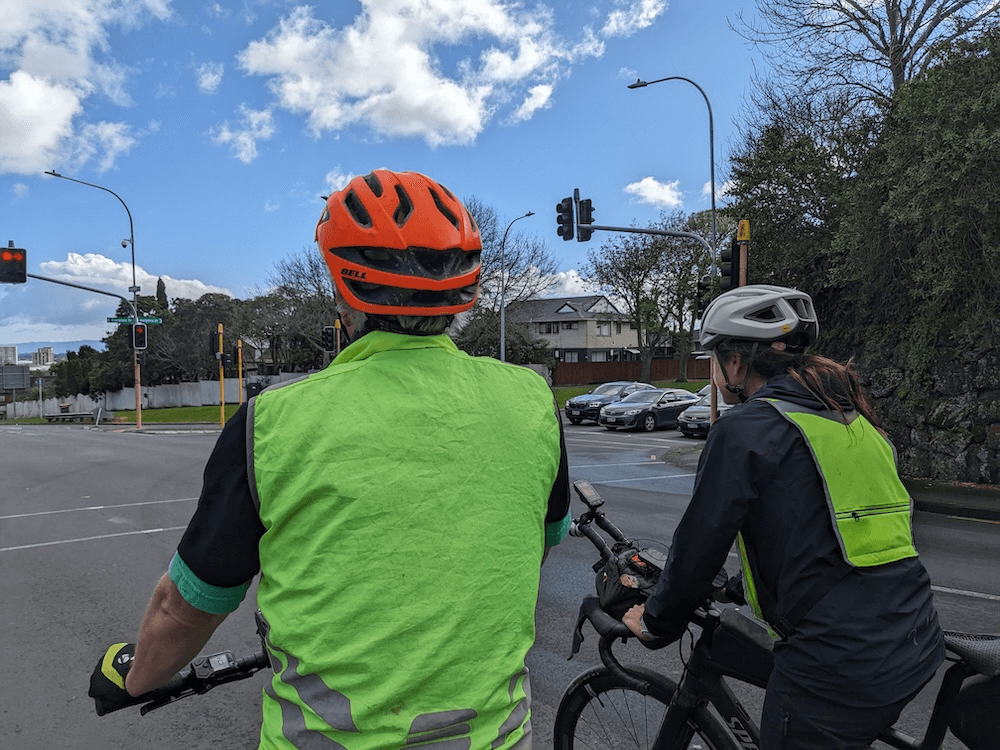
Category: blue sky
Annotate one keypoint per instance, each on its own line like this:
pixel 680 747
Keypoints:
pixel 220 125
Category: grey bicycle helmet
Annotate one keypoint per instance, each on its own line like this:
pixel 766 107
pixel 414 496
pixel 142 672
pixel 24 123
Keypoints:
pixel 762 313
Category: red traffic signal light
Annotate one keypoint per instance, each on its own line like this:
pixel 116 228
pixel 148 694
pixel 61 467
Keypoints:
pixel 13 265
pixel 138 336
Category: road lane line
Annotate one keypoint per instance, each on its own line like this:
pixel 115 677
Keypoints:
pixel 961 592
pixel 97 507
pixel 91 538
pixel 573 467
pixel 642 479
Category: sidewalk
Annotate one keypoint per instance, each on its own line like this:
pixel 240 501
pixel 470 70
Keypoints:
pixel 972 501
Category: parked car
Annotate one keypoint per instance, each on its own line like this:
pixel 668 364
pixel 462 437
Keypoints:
pixel 696 420
pixel 647 410
pixel 588 406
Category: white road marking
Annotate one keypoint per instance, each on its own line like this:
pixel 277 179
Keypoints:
pixel 96 507
pixel 90 538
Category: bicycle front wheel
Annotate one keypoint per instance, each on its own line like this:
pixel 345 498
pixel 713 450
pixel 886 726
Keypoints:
pixel 598 711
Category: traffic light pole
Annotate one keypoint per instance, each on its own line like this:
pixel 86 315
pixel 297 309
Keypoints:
pixel 135 317
pixel 657 232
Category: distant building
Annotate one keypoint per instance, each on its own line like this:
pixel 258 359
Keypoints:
pixel 8 355
pixel 579 329
pixel 46 355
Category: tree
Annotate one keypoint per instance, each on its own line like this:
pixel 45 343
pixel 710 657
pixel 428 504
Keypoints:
pixel 161 294
pixel 299 301
pixel 923 230
pixel 480 337
pixel 528 264
pixel 864 49
pixel 655 280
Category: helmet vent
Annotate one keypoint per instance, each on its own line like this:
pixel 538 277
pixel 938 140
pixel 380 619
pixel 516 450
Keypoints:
pixel 766 315
pixel 446 212
pixel 357 210
pixel 404 209
pixel 374 183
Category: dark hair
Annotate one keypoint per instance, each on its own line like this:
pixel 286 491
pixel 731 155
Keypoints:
pixel 835 384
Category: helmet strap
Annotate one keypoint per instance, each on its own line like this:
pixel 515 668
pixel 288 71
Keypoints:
pixel 741 390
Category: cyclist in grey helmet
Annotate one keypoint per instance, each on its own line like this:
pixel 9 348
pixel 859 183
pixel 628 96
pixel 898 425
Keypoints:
pixel 802 478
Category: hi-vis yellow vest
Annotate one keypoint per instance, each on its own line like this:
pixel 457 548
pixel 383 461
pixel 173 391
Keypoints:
pixel 870 509
pixel 400 562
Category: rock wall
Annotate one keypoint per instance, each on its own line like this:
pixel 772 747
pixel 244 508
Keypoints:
pixel 945 425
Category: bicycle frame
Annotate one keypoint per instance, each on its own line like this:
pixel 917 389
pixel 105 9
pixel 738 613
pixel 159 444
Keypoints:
pixel 729 646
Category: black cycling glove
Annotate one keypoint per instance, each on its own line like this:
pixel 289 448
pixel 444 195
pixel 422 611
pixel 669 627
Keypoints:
pixel 107 683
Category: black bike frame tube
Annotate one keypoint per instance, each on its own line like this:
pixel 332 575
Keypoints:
pixel 937 726
pixel 703 683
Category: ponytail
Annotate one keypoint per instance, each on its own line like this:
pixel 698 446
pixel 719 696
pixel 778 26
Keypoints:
pixel 834 384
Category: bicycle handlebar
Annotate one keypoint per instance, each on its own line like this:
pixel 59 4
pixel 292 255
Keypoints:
pixel 203 674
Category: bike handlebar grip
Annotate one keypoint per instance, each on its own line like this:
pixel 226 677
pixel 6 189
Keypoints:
pixel 172 687
pixel 604 623
pixel 259 660
pixel 588 531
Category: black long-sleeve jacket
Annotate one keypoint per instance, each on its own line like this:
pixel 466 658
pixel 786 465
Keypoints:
pixel 873 639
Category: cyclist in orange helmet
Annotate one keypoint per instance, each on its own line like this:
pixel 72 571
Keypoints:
pixel 395 505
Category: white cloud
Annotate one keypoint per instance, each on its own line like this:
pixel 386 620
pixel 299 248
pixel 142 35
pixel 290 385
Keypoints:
pixel 388 70
pixel 19 190
pixel 720 190
pixel 270 207
pixel 257 125
pixel 56 52
pixel 336 180
pixel 630 17
pixel 209 76
pixel 569 284
pixel 657 194
pixel 39 311
pixel 538 98
pixel 101 272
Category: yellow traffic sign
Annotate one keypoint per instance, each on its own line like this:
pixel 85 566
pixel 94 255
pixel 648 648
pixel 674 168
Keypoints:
pixel 743 232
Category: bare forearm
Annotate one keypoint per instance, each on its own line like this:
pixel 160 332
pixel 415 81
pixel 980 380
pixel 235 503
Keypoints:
pixel 171 635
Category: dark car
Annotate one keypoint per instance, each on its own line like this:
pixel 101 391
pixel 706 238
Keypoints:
pixel 588 406
pixel 696 420
pixel 647 410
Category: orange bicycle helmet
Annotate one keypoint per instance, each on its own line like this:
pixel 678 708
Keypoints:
pixel 399 243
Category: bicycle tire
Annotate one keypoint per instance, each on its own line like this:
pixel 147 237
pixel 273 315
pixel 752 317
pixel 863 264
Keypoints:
pixel 598 711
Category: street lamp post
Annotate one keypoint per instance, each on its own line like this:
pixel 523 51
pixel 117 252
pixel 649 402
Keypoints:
pixel 711 145
pixel 713 400
pixel 503 287
pixel 134 289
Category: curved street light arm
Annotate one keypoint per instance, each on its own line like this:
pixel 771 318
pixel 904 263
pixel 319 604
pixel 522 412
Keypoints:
pixel 711 144
pixel 503 287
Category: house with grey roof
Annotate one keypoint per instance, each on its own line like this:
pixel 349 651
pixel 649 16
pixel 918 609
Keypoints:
pixel 579 329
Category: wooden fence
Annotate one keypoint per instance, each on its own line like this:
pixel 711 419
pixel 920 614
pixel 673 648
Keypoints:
pixel 583 373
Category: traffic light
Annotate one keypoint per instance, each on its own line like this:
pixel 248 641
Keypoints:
pixel 564 218
pixel 213 343
pixel 13 265
pixel 586 217
pixel 329 338
pixel 731 266
pixel 704 287
pixel 138 336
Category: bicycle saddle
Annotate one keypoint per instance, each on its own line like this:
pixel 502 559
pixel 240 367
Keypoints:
pixel 981 652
